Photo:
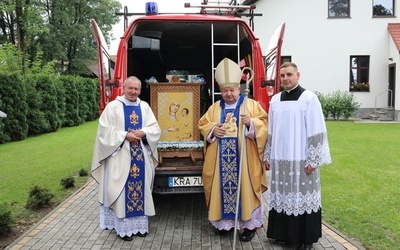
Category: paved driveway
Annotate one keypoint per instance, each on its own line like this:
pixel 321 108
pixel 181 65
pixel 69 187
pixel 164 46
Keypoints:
pixel 180 223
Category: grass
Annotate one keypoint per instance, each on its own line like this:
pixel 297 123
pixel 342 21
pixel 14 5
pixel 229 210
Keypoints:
pixel 44 160
pixel 360 192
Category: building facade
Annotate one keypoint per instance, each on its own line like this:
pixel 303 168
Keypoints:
pixel 346 45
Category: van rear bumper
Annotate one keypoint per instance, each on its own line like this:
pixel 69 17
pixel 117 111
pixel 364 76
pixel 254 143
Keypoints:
pixel 178 168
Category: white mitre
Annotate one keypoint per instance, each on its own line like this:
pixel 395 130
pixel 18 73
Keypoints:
pixel 228 74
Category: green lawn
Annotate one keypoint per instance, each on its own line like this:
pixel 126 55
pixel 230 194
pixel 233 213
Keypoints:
pixel 44 160
pixel 360 189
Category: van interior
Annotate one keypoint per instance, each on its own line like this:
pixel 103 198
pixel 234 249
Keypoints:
pixel 188 49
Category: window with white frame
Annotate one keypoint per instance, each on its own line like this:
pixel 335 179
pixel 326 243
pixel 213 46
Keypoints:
pixel 338 8
pixel 359 73
pixel 383 8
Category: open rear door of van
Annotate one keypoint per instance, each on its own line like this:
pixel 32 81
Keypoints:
pixel 103 65
pixel 273 61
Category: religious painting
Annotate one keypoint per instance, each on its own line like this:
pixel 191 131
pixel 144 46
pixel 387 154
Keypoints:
pixel 176 107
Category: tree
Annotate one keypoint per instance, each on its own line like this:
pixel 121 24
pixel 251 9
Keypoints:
pixel 338 8
pixel 59 28
pixel 69 23
pixel 380 10
pixel 7 20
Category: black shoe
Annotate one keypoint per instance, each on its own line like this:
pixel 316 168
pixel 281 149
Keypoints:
pixel 126 238
pixel 247 235
pixel 303 246
pixel 281 242
pixel 220 232
pixel 141 234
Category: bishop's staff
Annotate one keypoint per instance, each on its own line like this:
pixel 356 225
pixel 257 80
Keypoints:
pixel 242 149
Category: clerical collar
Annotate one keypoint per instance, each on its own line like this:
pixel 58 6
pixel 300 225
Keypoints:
pixel 127 102
pixel 292 88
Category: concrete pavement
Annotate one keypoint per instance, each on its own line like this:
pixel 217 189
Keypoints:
pixel 180 223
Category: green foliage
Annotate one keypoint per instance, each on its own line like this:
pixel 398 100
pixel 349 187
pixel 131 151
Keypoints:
pixel 6 219
pixel 53 101
pixel 88 97
pixel 10 59
pixel 61 97
pixel 69 40
pixel 2 135
pixel 338 104
pixel 39 197
pixel 83 172
pixel 38 66
pixel 14 104
pixel 93 98
pixel 323 101
pixel 71 101
pixel 359 87
pixel 67 182
pixel 35 117
pixel 54 31
pixel 46 88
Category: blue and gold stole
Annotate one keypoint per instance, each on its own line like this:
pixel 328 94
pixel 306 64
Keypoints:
pixel 134 187
pixel 229 159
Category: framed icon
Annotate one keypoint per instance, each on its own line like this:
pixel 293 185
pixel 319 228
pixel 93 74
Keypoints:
pixel 177 109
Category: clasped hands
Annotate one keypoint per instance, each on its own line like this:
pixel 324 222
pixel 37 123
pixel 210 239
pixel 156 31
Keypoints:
pixel 219 131
pixel 135 135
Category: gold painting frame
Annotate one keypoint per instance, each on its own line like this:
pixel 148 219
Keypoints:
pixel 164 101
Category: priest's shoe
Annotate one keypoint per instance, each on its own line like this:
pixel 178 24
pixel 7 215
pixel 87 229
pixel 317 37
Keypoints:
pixel 126 238
pixel 141 234
pixel 247 235
pixel 281 242
pixel 303 246
pixel 220 231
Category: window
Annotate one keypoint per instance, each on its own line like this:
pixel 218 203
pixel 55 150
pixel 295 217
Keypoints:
pixel 338 8
pixel 383 8
pixel 359 73
pixel 286 59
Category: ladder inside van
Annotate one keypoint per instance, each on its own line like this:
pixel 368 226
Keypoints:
pixel 217 7
pixel 216 94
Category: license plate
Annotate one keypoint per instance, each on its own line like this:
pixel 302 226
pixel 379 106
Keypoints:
pixel 188 181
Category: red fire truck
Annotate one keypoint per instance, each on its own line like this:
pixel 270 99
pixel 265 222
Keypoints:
pixel 175 56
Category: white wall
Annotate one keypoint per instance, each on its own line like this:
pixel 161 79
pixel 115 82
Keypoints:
pixel 321 47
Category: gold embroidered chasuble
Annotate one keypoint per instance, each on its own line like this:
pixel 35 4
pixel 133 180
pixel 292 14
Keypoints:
pixel 253 179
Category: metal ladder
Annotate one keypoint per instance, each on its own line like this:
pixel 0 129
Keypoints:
pixel 214 93
pixel 228 7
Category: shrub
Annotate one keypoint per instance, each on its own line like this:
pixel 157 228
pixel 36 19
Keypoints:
pixel 39 197
pixel 67 182
pixel 13 96
pixel 83 172
pixel 6 219
pixel 323 101
pixel 350 105
pixel 338 104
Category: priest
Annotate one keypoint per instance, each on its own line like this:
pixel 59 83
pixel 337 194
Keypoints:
pixel 222 127
pixel 297 146
pixel 124 161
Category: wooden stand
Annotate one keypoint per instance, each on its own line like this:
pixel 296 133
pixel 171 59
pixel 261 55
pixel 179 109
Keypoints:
pixel 193 154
